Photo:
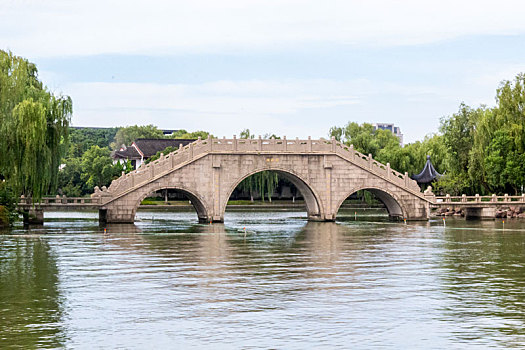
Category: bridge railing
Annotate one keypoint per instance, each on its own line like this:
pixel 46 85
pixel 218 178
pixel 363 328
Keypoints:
pixel 159 166
pixel 59 200
pixel 481 199
pixel 381 169
pixel 184 154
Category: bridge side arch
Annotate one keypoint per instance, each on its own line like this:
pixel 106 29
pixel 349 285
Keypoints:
pixel 196 200
pixel 314 205
pixel 394 204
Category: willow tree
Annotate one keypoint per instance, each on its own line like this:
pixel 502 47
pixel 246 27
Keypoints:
pixel 33 128
pixel 265 182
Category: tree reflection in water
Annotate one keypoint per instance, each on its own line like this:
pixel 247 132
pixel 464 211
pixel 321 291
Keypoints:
pixel 486 281
pixel 31 309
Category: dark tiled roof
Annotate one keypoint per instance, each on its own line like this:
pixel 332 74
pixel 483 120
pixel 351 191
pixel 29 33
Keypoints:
pixel 128 153
pixel 150 147
pixel 428 174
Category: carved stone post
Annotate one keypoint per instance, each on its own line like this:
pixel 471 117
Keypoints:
pixel 216 216
pixel 328 195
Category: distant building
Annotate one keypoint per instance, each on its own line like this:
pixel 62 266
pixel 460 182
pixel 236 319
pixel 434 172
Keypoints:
pixel 393 129
pixel 143 149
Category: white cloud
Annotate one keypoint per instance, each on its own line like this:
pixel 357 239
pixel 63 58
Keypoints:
pixel 63 27
pixel 288 107
pixel 237 98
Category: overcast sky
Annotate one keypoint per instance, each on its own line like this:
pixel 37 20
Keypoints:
pixel 292 68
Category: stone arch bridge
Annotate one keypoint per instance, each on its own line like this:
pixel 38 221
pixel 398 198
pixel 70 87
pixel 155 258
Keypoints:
pixel 326 172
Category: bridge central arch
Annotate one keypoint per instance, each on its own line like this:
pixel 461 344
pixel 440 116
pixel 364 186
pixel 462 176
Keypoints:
pixel 312 200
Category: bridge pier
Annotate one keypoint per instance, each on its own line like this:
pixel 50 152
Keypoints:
pixel 33 216
pixel 480 212
pixel 114 216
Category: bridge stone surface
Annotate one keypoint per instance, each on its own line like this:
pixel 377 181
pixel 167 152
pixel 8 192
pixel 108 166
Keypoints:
pixel 326 172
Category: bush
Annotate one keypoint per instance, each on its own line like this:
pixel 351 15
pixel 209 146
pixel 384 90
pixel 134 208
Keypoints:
pixel 8 213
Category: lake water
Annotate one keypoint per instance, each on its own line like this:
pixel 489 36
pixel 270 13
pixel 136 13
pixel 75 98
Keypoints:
pixel 262 280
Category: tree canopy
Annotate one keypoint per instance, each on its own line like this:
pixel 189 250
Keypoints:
pixel 128 134
pixel 183 134
pixel 33 128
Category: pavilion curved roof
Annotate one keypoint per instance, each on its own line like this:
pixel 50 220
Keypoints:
pixel 428 174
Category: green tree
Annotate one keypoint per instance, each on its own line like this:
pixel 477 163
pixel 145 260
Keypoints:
pixel 264 182
pixel 8 214
pixel 183 134
pixel 165 151
pixel 245 134
pixel 458 135
pixel 97 167
pixel 337 132
pixel 70 181
pixel 81 139
pixel 365 138
pixel 33 128
pixel 126 135
pixel 497 155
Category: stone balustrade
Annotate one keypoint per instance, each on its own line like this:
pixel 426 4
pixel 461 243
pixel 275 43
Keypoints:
pixel 61 201
pixel 488 200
